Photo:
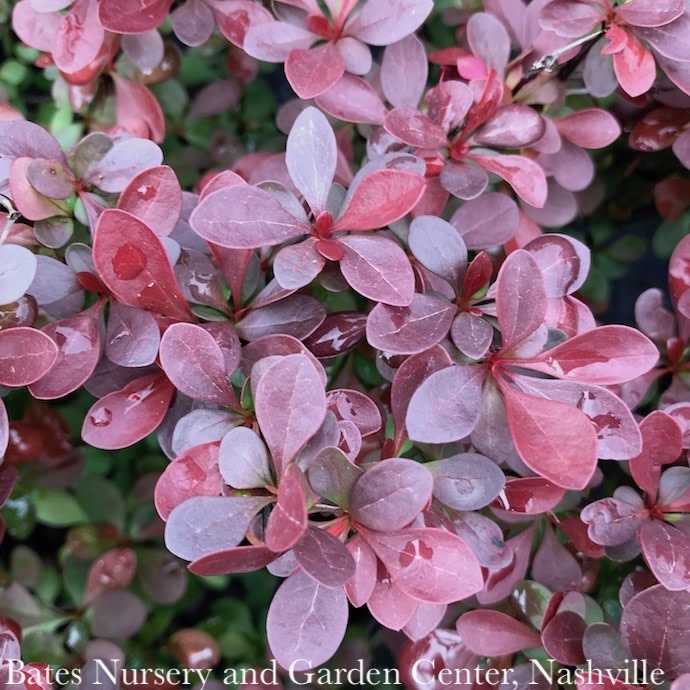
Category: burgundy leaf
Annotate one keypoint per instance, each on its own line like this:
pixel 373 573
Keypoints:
pixel 377 268
pixel 388 604
pixel 425 620
pixel 332 476
pixel 653 627
pixel 324 557
pixel 488 104
pixel 290 406
pixel 21 138
pixel 414 128
pixel 554 566
pixel 79 349
pixel 513 127
pixel 114 569
pixel 530 496
pixel 445 407
pixel 238 559
pixel 312 71
pixel 360 586
pixel 428 564
pixel 132 336
pixel 287 523
pixel 562 638
pixel 306 622
pixel 485 538
pixel 564 263
pixel 298 264
pixel 520 299
pixel 26 355
pixel 391 494
pixel 524 175
pixel 194 472
pixel 134 265
pixel 50 178
pixel 130 18
pixel 311 157
pixel 204 524
pixel 465 180
pixel 565 454
pixel 667 552
pixel 488 221
pixel 243 459
pixel 154 196
pixel 409 330
pixel 613 521
pixel 352 99
pixel 471 334
pixel 492 633
pixel 117 615
pixel 244 217
pixel 650 13
pixel 356 407
pixel 126 416
pixel 194 362
pixel 296 315
pixel 604 356
pixel 339 332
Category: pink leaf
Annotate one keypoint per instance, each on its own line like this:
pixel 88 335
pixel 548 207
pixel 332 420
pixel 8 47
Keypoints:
pixel 311 157
pixel 193 22
pixel 634 67
pixel 414 128
pixel 4 429
pixel 194 472
pixel 352 99
pixel 513 127
pixel 472 335
pixel 194 362
pixel 324 557
pixel 26 355
pixel 134 265
pixel 312 71
pixel 388 604
pixel 237 559
pixel 404 71
pixel 492 633
pixel 154 196
pixel 79 37
pixel 243 460
pixel 296 315
pixel 298 264
pixel 554 566
pixel 564 263
pixel 606 355
pixel 650 12
pixel 138 110
pixel 391 494
pixel 445 407
pixel 530 496
pixel 33 206
pixel 387 21
pixel 428 564
pixel 126 416
pixel 524 175
pixel 667 552
pixel 360 586
pixel 50 178
pixel 287 523
pixel 244 217
pixel 380 198
pixel 570 18
pixel 487 221
pixel 565 454
pixel 463 179
pixel 306 622
pixel 130 17
pixel 591 128
pixel 119 163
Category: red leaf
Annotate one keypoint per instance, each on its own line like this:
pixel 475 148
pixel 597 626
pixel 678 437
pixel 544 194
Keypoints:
pixel 492 633
pixel 388 604
pixel 114 569
pixel 126 416
pixel 488 104
pixel 667 552
pixel 591 128
pixel 324 557
pixel 562 638
pixel 238 559
pixel 635 68
pixel 26 355
pixel 288 521
pixel 414 128
pixel 131 16
pixel 524 175
pixel 530 496
pixel 312 71
pixel 564 452
pixel 134 265
pixel 360 586
pixel 154 196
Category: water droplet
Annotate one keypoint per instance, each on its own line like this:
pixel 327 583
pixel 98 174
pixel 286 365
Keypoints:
pixel 146 191
pixel 101 417
pixel 129 262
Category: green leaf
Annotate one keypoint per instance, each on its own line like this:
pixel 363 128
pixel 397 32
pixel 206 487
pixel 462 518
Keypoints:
pixel 13 72
pixel 668 234
pixel 20 517
pixel 532 599
pixel 57 508
pixel 101 500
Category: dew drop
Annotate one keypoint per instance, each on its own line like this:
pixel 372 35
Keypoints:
pixel 101 417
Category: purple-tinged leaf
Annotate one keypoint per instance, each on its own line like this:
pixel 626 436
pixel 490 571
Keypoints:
pixel 112 570
pixel 565 454
pixel 306 622
pixel 287 523
pixel 79 349
pixel 520 299
pixel 524 175
pixel 472 334
pixel 26 355
pixel 244 217
pixel 145 51
pixel 448 103
pixel 404 71
pixel 130 18
pixel 648 13
pixel 674 489
pixel 562 638
pixel 488 104
pixel 340 332
pixel 467 481
pixel 298 264
pixel 243 460
pixel 356 407
pixel 570 18
pixel 352 99
pixel 410 330
pixel 50 178
pixel 654 627
pixel 311 156
pixel 488 221
pixel 31 204
pixel 387 21
pixel 613 521
pixel 438 246
pixel 21 138
pixel 391 494
pixel 606 355
pixel 192 359
pixel 332 476
pixel 132 336
pixel 428 564
pixel 154 196
pixel 272 41
pixel 564 263
pixel 193 22
pixel 117 615
pixel 194 472
pixel 591 128
pixel 360 586
pixel 290 406
pixel 126 416
pixel 488 40
pixel 554 566
pixel 425 620
pixel 414 128
pixel 513 127
pixel 667 552
pixel 297 316
pixel 238 559
pixel 485 538
pixel 465 180
pixel 123 161
pixel 161 576
pixel 134 265
pixel 4 431
pixel 445 407
pixel 493 633
pixel 312 71
pixel 324 557
pixel 204 524
pixel 388 604
pixel 380 198
pixel 378 268
pixel 17 270
pixel 530 496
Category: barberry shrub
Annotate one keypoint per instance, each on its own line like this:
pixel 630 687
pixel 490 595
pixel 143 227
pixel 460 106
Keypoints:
pixel 333 340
